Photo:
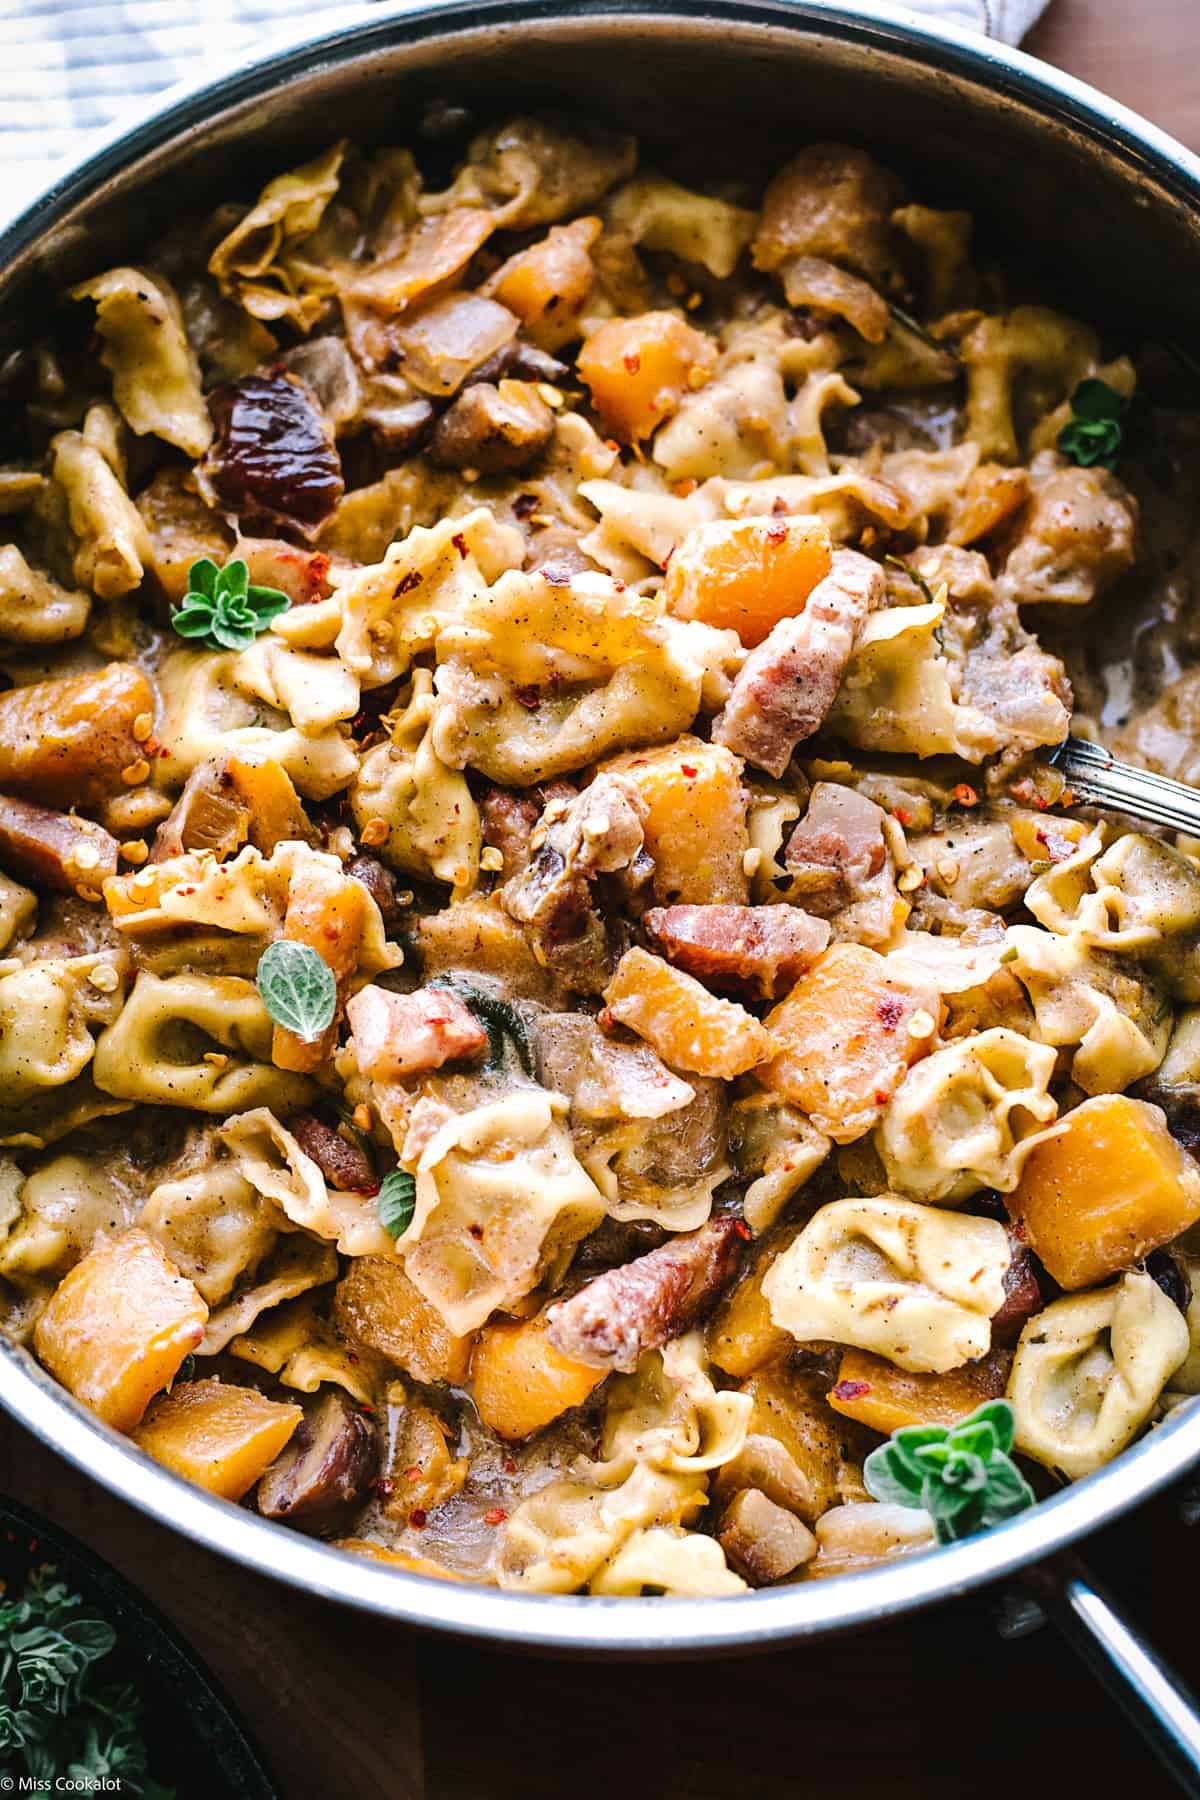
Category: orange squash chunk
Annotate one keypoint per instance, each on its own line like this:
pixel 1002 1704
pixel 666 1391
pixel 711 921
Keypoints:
pixel 1111 1188
pixel 221 1437
pixel 876 1393
pixel 328 912
pixel 119 1325
pixel 639 369
pixel 845 1040
pixel 548 284
pixel 276 813
pixel 689 1027
pixel 65 743
pixel 378 1305
pixel 745 575
pixel 521 1382
pixel 992 495
pixel 416 1565
pixel 741 1334
pixel 696 823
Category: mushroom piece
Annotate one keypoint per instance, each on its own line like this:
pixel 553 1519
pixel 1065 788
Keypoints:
pixel 492 429
pixel 324 1469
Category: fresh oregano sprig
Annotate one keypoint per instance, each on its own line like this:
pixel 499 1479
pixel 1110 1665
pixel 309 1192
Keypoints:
pixel 396 1201
pixel 1092 435
pixel 222 609
pixel 961 1475
pixel 298 988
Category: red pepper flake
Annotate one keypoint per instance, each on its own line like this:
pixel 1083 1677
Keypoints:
pixel 476 1231
pixel 524 504
pixel 682 489
pixel 632 361
pixel 902 816
pixel 407 583
pixel 417 1518
pixel 460 544
pixel 385 1487
pixel 742 1230
pixel 965 794
pixel 556 577
pixel 1023 789
pixel 604 1019
pixel 850 1390
pixel 690 770
pixel 777 531
pixel 495 1516
pixel 889 1012
pixel 367 1411
pixel 882 1096
pixel 510 1467
pixel 618 585
pixel 612 444
pixel 1041 802
pixel 414 1472
pixel 529 697
pixel 778 505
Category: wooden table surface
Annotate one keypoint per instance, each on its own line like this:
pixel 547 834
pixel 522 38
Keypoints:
pixel 937 1707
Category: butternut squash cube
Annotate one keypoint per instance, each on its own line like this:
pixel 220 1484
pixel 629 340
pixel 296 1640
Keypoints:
pixel 276 813
pixel 1113 1186
pixel 119 1325
pixel 689 1027
pixel 876 1393
pixel 328 912
pixel 65 743
pixel 548 284
pixel 218 1436
pixel 376 1304
pixel 845 1042
pixel 521 1382
pixel 639 369
pixel 745 575
pixel 696 824
pixel 742 1335
pixel 400 1559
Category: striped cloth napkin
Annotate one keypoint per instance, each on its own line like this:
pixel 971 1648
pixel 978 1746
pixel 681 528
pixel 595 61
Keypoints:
pixel 69 67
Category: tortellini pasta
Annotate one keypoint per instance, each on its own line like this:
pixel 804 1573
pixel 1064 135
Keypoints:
pixel 1137 896
pixel 316 692
pixel 156 378
pixel 213 1224
pixel 34 609
pixel 912 1283
pixel 296 1264
pixel 542 675
pixel 271 1160
pixel 1089 1370
pixel 50 1012
pixel 432 819
pixel 258 263
pixel 202 1041
pixel 499 1192
pixel 966 1117
pixel 62 1207
pixel 661 215
pixel 112 545
pixel 1118 1022
pixel 294 1343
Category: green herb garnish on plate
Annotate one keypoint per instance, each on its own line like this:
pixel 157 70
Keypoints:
pixel 222 609
pixel 396 1201
pixel 298 988
pixel 1092 435
pixel 961 1475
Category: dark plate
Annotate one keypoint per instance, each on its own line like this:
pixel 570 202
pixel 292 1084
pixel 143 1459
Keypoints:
pixel 196 1741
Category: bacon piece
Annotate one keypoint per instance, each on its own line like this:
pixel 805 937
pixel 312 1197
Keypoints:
pixel 55 850
pixel 405 1034
pixel 1022 1294
pixel 613 1321
pixel 763 948
pixel 788 684
pixel 343 1164
pixel 837 846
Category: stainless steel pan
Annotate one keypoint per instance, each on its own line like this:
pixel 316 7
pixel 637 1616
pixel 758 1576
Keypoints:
pixel 1107 204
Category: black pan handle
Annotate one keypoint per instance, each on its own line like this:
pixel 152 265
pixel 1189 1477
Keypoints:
pixel 1150 1694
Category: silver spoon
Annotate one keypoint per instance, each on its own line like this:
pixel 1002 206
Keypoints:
pixel 1096 778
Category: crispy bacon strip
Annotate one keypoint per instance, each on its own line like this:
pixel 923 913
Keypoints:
pixel 343 1164
pixel 613 1321
pixel 406 1034
pixel 760 948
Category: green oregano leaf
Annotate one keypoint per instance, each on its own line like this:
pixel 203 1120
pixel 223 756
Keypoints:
pixel 298 988
pixel 396 1201
pixel 1092 435
pixel 962 1476
pixel 221 608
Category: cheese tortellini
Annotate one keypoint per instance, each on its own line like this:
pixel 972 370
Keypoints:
pixel 1137 896
pixel 156 378
pixel 213 1224
pixel 1089 1370
pixel 267 1155
pixel 966 1117
pixel 910 1282
pixel 432 820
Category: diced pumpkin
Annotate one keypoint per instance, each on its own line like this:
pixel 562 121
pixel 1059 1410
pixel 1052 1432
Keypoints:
pixel 328 912
pixel 1113 1186
pixel 418 1467
pixel 378 1305
pixel 845 1042
pixel 639 369
pixel 67 743
pixel 118 1327
pixel 876 1393
pixel 797 1452
pixel 276 813
pixel 745 575
pixel 992 495
pixel 696 823
pixel 548 284
pixel 219 1436
pixel 521 1382
pixel 742 1335
pixel 400 1559
pixel 689 1027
